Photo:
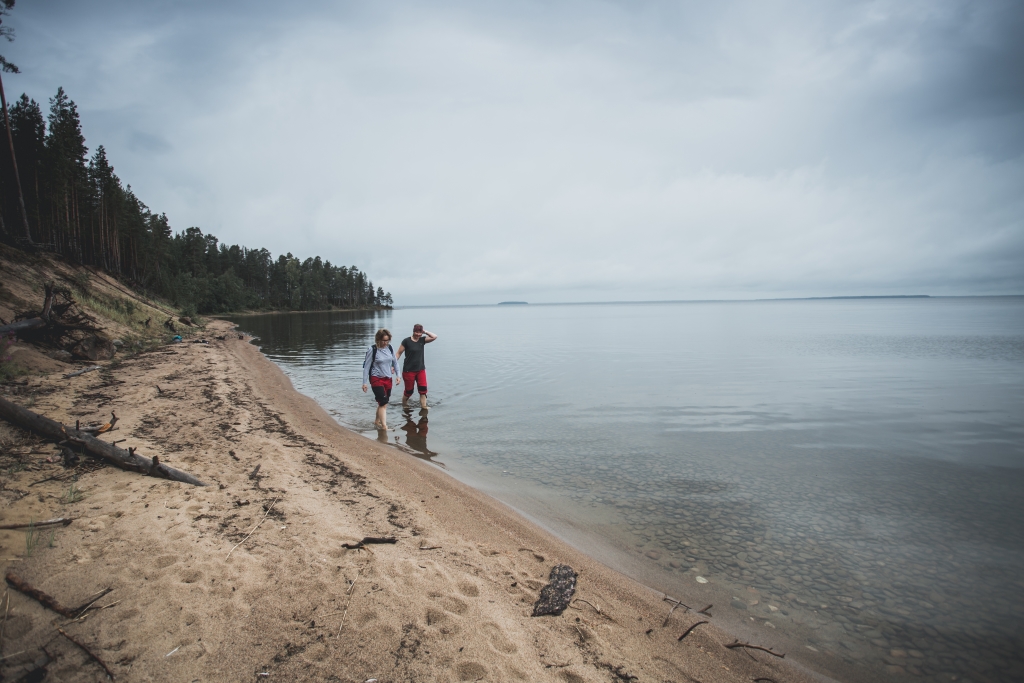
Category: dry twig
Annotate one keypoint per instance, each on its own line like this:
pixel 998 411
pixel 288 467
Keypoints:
pixel 367 540
pixel 50 522
pixel 755 647
pixel 344 616
pixel 88 652
pixel 38 595
pixel 254 528
pixel 687 631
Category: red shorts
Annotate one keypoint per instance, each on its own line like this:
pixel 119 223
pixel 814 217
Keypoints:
pixel 419 378
pixel 381 389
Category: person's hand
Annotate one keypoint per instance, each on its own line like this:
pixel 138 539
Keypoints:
pixel 364 388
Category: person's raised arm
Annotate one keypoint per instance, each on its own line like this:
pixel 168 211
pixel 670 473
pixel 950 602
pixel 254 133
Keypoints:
pixel 430 336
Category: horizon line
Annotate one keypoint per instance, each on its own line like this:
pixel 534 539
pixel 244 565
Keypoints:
pixel 707 301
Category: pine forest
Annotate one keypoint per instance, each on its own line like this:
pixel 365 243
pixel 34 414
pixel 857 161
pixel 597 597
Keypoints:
pixel 76 206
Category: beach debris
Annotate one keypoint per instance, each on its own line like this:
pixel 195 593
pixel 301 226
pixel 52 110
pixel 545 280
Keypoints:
pixel 704 610
pixel 76 373
pixel 176 339
pixel 128 460
pixel 595 607
pixel 687 631
pixel 50 522
pixel 557 595
pixel 367 541
pixel 25 588
pixel 675 603
pixel 755 647
pixel 252 475
pixel 89 652
pixel 429 547
pixel 255 527
pixel 200 341
pixel 96 428
pixel 701 579
pixel 348 602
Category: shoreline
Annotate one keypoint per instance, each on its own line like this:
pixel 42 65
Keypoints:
pixel 451 600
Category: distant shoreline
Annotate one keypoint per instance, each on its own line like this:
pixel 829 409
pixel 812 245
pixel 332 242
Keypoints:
pixel 729 301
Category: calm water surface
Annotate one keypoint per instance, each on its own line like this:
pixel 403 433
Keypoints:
pixel 847 476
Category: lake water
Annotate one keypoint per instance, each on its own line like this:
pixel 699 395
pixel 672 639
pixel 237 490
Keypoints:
pixel 844 479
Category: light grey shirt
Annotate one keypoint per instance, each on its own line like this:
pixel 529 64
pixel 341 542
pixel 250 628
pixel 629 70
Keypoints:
pixel 382 364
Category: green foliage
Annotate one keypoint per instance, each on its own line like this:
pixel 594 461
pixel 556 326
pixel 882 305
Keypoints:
pixel 73 495
pixel 31 540
pixel 79 208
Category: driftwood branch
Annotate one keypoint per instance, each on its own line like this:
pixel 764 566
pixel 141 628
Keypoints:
pixel 127 460
pixel 687 631
pixel 755 647
pixel 50 522
pixel 88 652
pixel 367 541
pixel 76 373
pixel 42 598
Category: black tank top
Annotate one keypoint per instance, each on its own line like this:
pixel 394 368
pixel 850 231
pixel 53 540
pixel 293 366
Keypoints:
pixel 414 354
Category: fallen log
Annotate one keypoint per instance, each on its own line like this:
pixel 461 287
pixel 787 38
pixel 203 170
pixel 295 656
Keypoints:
pixel 127 460
pixel 22 326
pixel 32 323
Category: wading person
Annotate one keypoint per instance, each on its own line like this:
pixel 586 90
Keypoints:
pixel 378 365
pixel 414 371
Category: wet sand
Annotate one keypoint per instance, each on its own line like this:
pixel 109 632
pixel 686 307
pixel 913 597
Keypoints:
pixel 247 576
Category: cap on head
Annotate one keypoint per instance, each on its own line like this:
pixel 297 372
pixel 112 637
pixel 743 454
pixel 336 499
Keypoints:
pixel 417 328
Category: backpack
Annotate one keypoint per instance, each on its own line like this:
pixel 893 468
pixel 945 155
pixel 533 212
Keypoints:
pixel 373 357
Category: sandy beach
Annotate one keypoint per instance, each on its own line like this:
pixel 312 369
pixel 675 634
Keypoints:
pixel 246 578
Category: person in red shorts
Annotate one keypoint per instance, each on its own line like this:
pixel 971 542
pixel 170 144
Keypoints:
pixel 378 365
pixel 415 371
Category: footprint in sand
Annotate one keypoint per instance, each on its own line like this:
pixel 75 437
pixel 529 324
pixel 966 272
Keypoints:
pixel 191 576
pixel 454 605
pixel 496 637
pixel 435 617
pixel 469 589
pixel 166 561
pixel 471 671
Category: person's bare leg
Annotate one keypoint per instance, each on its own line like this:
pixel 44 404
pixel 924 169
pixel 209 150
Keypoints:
pixel 423 401
pixel 382 417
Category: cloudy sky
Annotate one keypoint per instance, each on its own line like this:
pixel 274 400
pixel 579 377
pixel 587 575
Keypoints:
pixel 470 152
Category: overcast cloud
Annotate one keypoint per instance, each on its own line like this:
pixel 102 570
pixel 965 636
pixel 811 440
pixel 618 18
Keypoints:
pixel 470 152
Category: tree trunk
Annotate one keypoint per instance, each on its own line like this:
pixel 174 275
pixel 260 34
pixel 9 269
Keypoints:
pixel 22 326
pixel 127 460
pixel 14 163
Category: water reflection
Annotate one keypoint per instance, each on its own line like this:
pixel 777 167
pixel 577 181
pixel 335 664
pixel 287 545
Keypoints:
pixel 416 429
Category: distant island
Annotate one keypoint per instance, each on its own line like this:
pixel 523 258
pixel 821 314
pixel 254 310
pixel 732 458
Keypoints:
pixel 512 303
